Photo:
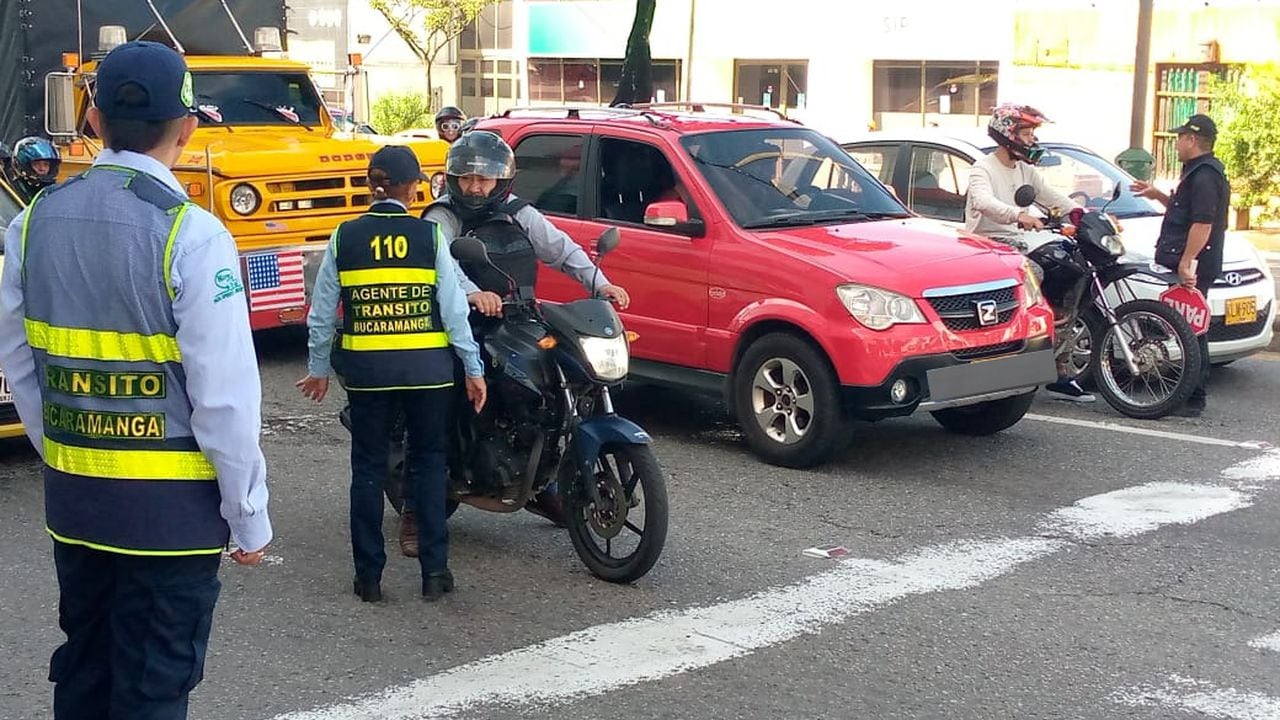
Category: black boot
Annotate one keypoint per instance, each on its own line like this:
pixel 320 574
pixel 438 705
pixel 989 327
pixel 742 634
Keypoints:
pixel 436 584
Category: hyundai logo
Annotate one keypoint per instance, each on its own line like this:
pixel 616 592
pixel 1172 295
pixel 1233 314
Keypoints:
pixel 1233 278
pixel 987 313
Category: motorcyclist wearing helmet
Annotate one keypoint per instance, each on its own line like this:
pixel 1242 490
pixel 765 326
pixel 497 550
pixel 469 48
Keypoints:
pixel 33 166
pixel 989 206
pixel 479 170
pixel 449 123
pixel 990 209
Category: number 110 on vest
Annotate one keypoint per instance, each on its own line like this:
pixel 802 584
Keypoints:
pixel 386 246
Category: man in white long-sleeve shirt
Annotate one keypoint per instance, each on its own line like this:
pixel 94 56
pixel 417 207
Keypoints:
pixel 990 208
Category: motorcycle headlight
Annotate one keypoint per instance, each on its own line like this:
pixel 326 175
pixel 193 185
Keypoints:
pixel 1113 245
pixel 244 199
pixel 1032 295
pixel 879 309
pixel 610 358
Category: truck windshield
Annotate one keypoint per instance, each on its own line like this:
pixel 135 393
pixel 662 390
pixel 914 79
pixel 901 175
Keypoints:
pixel 256 98
pixel 777 177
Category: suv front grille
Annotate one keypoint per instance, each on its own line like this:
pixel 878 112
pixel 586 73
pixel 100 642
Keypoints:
pixel 987 351
pixel 1238 278
pixel 960 312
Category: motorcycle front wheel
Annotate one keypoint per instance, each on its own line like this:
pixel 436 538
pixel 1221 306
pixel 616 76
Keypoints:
pixel 1166 353
pixel 620 539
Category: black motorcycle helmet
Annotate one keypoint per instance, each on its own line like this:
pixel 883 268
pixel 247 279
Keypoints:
pixel 482 153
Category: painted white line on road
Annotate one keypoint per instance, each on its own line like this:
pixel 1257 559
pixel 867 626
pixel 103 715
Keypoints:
pixel 601 658
pixel 1270 642
pixel 1148 432
pixel 1197 696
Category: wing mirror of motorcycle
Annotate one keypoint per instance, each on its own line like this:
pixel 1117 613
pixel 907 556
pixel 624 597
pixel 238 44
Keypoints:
pixel 469 249
pixel 1024 196
pixel 608 240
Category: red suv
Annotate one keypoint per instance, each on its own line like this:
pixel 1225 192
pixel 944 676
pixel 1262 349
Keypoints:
pixel 768 268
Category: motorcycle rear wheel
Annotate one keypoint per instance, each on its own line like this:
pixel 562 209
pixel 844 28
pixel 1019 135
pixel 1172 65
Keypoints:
pixel 1167 353
pixel 629 479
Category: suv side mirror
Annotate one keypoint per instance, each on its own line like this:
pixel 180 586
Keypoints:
pixel 672 215
pixel 60 105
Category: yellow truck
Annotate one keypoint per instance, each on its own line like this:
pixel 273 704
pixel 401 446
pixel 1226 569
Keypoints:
pixel 267 158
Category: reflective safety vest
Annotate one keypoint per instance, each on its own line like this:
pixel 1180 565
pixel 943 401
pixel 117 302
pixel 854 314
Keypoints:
pixel 392 337
pixel 123 472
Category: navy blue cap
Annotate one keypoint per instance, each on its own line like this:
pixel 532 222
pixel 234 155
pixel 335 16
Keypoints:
pixel 157 69
pixel 399 163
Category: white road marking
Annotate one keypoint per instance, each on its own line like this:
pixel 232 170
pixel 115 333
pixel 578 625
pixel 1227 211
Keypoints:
pixel 1197 696
pixel 1270 642
pixel 601 658
pixel 1149 432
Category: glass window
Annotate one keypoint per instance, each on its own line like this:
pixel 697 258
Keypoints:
pixel 779 177
pixel 610 79
pixel 256 98
pixel 949 88
pixel 633 175
pixel 937 183
pixel 666 80
pixel 773 84
pixel 550 173
pixel 468 86
pixel 581 81
pixel 545 80
pixel 1089 179
pixel 879 160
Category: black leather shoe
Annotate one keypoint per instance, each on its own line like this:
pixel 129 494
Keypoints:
pixel 436 584
pixel 367 591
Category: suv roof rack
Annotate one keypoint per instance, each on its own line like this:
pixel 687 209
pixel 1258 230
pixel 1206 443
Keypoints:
pixel 578 112
pixel 701 107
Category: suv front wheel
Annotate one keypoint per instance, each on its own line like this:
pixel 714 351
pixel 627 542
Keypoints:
pixel 787 402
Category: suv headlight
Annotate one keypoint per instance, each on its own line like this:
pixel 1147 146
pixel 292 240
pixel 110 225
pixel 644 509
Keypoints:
pixel 1031 292
pixel 610 358
pixel 1113 245
pixel 879 309
pixel 244 199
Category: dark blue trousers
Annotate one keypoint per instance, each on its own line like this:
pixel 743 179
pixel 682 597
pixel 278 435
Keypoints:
pixel 427 415
pixel 137 632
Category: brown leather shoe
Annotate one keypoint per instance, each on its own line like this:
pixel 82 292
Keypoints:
pixel 409 534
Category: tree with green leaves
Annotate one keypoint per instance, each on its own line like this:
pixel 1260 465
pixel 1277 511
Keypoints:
pixel 636 82
pixel 428 26
pixel 1247 112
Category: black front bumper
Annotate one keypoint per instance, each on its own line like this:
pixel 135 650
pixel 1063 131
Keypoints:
pixel 946 379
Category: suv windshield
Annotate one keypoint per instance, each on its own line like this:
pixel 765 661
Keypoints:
pixel 256 98
pixel 787 176
pixel 1089 179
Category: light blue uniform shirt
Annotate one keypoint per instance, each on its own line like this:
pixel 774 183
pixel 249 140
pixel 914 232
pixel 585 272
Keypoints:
pixel 322 320
pixel 217 355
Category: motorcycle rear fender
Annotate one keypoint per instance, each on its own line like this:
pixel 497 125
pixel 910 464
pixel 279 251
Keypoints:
pixel 594 433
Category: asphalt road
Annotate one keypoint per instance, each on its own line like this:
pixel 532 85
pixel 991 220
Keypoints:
pixel 1067 568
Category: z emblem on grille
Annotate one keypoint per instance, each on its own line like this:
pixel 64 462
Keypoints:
pixel 987 314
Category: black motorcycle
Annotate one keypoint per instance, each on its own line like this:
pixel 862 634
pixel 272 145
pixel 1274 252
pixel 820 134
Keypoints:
pixel 549 419
pixel 1145 358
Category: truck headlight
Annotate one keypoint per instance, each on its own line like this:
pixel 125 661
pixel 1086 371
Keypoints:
pixel 879 309
pixel 244 199
pixel 1031 292
pixel 610 358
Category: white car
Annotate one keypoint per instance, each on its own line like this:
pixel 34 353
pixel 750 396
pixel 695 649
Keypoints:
pixel 929 170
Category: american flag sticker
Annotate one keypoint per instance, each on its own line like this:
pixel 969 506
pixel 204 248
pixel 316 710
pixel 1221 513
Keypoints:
pixel 275 280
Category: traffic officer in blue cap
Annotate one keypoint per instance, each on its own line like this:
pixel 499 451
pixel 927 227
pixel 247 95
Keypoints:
pixel 124 333
pixel 402 308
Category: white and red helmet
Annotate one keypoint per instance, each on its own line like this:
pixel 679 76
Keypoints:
pixel 1007 121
